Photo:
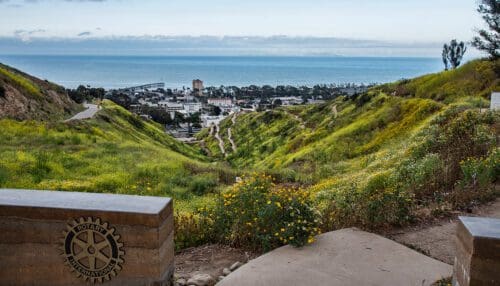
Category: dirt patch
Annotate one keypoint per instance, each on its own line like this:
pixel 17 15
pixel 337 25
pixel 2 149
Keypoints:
pixel 208 259
pixel 437 239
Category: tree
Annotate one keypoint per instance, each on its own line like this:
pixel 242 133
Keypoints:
pixel 489 41
pixel 445 57
pixel 453 53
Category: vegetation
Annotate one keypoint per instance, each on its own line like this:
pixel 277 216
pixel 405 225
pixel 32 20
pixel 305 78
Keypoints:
pixel 383 158
pixel 254 213
pixel 489 41
pixel 25 97
pixel 83 93
pixel 453 54
pixel 395 154
pixel 20 81
pixel 116 152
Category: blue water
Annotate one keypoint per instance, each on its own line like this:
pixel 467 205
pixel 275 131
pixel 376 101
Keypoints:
pixel 176 72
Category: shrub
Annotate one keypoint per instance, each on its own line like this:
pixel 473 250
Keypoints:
pixel 193 229
pixel 256 214
pixel 449 165
pixel 202 184
pixel 384 203
pixel 376 204
pixel 478 182
pixel 2 91
pixel 41 167
pixel 4 175
pixel 421 177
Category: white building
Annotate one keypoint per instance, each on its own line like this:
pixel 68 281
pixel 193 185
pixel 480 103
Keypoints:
pixel 495 101
pixel 207 120
pixel 220 102
pixel 291 100
pixel 173 107
pixel 192 107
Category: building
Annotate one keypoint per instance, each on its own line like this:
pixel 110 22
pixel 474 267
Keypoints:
pixel 292 100
pixel 207 120
pixel 192 107
pixel 173 107
pixel 220 102
pixel 495 101
pixel 198 87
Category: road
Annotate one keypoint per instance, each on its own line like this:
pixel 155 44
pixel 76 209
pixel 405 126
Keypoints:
pixel 89 112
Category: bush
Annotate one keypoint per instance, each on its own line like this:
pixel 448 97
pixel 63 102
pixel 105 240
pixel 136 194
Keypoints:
pixel 478 183
pixel 41 168
pixel 2 91
pixel 4 175
pixel 192 229
pixel 449 165
pixel 378 203
pixel 202 184
pixel 256 214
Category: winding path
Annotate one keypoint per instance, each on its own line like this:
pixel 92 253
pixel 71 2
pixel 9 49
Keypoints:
pixel 221 143
pixel 89 112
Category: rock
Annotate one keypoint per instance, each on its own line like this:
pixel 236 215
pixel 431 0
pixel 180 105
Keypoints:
pixel 220 278
pixel 201 280
pixel 235 266
pixel 226 271
pixel 180 282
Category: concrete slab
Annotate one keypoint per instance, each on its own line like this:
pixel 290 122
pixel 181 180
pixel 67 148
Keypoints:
pixel 344 258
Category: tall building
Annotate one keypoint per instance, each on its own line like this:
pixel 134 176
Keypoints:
pixel 198 87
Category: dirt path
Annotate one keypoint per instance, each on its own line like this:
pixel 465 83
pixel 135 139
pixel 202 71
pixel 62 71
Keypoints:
pixel 209 259
pixel 221 143
pixel 438 239
pixel 335 112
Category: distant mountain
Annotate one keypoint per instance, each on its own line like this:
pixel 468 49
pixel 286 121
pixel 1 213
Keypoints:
pixel 24 97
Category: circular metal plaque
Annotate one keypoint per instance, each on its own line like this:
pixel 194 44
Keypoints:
pixel 92 250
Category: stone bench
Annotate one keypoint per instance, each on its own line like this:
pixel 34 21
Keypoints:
pixel 62 238
pixel 477 260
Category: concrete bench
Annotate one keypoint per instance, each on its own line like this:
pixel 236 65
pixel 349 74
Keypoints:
pixel 62 238
pixel 477 260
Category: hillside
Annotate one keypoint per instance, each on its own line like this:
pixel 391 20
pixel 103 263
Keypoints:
pixel 398 138
pixel 116 152
pixel 25 97
pixel 400 152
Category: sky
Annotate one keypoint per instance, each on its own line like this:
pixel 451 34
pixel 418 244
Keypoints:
pixel 396 27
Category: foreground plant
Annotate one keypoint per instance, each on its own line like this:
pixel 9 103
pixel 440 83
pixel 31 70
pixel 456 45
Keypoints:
pixel 257 214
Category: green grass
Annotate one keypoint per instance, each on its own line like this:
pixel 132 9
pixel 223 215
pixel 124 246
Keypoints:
pixel 21 81
pixel 371 164
pixel 114 153
pixel 369 136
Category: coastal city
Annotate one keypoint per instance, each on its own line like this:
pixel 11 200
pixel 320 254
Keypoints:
pixel 185 111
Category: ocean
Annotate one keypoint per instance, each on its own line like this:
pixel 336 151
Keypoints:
pixel 179 71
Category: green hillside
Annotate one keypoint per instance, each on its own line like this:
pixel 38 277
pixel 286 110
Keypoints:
pixel 402 151
pixel 351 149
pixel 25 97
pixel 116 152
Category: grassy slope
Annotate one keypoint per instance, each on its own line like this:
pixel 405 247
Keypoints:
pixel 26 97
pixel 115 152
pixel 369 135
